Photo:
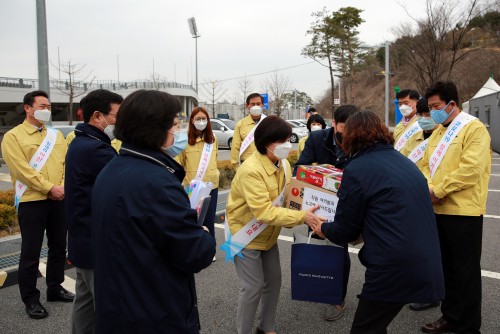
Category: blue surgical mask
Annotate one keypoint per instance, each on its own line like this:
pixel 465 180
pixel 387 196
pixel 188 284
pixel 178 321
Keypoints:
pixel 426 123
pixel 180 143
pixel 440 115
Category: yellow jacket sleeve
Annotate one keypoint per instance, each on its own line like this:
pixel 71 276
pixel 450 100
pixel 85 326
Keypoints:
pixel 70 137
pixel 235 146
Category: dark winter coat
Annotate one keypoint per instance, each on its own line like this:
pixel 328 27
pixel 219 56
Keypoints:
pixel 320 149
pixel 384 196
pixel 87 155
pixel 148 246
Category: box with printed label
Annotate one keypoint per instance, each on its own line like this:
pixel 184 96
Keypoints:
pixel 302 195
pixel 324 176
pixel 295 195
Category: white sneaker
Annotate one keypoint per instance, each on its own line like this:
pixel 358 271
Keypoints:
pixel 214 259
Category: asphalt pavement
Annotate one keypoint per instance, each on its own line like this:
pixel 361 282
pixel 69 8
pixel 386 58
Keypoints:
pixel 217 288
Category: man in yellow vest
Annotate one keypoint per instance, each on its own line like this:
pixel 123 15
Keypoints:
pixel 407 99
pixel 457 165
pixel 242 148
pixel 35 156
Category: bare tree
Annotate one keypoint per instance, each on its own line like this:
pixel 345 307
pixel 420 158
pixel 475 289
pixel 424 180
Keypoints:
pixel 213 92
pixel 438 42
pixel 76 84
pixel 243 89
pixel 278 84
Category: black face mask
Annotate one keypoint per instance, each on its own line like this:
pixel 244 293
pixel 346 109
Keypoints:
pixel 339 137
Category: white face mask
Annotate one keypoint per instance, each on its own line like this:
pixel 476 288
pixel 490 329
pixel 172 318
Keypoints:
pixel 316 128
pixel 108 130
pixel 200 125
pixel 405 110
pixel 281 151
pixel 42 116
pixel 256 110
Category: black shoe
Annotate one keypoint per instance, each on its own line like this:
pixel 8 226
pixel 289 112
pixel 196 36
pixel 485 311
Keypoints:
pixel 422 306
pixel 62 295
pixel 36 311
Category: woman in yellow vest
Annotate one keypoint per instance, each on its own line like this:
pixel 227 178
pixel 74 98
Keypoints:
pixel 199 159
pixel 256 198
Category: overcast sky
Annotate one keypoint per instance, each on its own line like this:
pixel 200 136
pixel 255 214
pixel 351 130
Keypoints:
pixel 238 38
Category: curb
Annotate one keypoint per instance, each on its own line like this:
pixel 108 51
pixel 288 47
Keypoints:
pixel 11 276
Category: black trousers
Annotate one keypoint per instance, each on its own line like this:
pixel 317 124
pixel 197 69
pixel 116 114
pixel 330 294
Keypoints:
pixel 374 317
pixel 461 241
pixel 35 218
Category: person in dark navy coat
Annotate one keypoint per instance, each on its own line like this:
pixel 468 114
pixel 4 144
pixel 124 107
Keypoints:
pixel 148 244
pixel 384 197
pixel 87 155
pixel 325 147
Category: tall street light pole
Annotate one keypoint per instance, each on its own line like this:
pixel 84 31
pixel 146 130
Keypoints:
pixel 43 53
pixel 194 32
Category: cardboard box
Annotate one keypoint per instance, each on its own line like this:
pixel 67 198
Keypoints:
pixel 327 199
pixel 324 176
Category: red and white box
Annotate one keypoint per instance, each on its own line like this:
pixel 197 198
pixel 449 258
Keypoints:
pixel 324 176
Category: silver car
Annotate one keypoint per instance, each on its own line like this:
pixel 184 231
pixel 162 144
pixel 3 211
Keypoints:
pixel 223 129
pixel 298 132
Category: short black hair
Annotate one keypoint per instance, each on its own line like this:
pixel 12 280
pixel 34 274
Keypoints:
pixel 98 100
pixel 411 93
pixel 270 130
pixel 342 113
pixel 315 119
pixel 446 90
pixel 422 106
pixel 251 96
pixel 312 109
pixel 30 97
pixel 145 117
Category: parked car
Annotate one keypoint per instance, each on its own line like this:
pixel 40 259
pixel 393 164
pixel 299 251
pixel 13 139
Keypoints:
pixel 298 132
pixel 223 129
pixel 299 122
pixel 64 127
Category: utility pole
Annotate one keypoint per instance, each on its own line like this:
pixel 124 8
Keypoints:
pixel 43 53
pixel 387 83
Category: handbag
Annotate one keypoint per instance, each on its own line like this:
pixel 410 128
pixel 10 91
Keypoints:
pixel 317 270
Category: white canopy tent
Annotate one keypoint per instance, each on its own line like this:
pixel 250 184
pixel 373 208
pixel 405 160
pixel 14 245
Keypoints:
pixel 488 88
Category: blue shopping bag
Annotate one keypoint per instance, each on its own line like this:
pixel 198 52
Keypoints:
pixel 317 270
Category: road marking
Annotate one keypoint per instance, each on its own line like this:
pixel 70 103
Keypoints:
pixel 494 174
pixel 484 273
pixel 68 284
pixel 491 216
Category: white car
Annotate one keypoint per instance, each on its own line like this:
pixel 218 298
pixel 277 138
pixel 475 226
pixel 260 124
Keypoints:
pixel 299 122
pixel 298 132
pixel 223 129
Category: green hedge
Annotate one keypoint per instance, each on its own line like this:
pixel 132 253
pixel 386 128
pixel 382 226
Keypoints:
pixel 8 214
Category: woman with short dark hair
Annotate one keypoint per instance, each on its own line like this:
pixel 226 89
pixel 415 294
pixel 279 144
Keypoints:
pixel 314 123
pixel 148 244
pixel 385 197
pixel 255 215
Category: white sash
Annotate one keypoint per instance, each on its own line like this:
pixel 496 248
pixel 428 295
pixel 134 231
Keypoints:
pixel 454 128
pixel 37 161
pixel 418 152
pixel 204 161
pixel 412 130
pixel 235 243
pixel 249 138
